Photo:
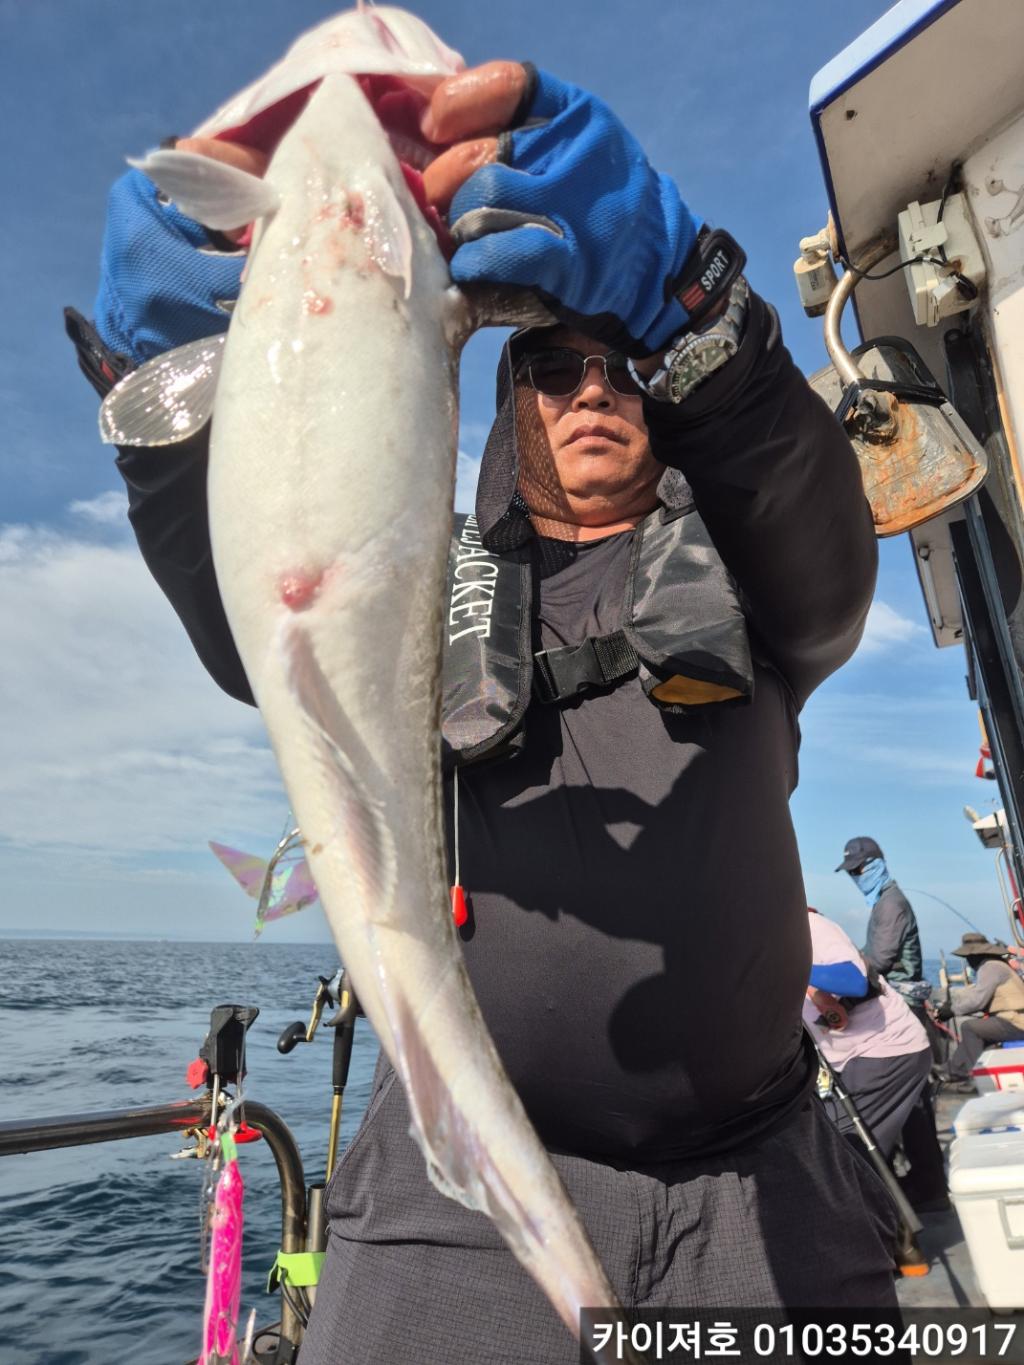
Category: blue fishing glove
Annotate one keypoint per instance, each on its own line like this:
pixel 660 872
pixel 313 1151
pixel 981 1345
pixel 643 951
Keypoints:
pixel 573 211
pixel 162 282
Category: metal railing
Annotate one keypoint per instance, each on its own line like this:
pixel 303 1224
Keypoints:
pixel 78 1130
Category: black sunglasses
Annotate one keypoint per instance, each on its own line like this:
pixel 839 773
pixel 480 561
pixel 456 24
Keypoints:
pixel 559 372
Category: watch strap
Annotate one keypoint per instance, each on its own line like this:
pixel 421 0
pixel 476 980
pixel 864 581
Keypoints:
pixel 712 268
pixel 694 356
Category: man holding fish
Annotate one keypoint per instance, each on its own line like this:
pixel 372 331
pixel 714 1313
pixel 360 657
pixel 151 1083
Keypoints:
pixel 671 550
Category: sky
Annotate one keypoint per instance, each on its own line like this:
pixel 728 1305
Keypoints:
pixel 119 758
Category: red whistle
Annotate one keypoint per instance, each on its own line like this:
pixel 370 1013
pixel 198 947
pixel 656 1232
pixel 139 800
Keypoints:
pixel 459 912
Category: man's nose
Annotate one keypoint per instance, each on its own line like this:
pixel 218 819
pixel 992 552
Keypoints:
pixel 595 391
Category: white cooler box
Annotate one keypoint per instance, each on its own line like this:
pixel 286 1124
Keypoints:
pixel 986 1185
pixel 1000 1111
pixel 1000 1068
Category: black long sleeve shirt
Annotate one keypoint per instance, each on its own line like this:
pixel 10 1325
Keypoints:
pixel 639 937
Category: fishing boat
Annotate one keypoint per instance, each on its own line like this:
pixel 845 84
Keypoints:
pixel 919 126
pixel 920 130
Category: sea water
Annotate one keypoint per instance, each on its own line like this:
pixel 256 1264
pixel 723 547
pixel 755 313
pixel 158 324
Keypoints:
pixel 99 1245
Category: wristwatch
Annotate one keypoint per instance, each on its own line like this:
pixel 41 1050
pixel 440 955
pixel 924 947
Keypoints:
pixel 694 356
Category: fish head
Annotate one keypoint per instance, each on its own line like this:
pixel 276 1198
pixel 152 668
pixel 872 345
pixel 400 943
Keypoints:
pixel 368 41
pixel 397 61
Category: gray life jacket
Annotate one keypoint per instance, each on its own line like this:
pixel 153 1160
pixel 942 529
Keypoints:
pixel 683 634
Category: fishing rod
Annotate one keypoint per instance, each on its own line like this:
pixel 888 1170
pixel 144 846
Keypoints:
pixel 331 991
pixel 911 1259
pixel 298 1275
pixel 931 896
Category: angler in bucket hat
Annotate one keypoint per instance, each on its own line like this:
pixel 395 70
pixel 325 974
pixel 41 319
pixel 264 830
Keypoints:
pixel 992 1010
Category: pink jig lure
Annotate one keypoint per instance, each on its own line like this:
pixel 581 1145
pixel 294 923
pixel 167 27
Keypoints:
pixel 224 1274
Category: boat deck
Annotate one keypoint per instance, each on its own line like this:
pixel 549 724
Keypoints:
pixel 950 1282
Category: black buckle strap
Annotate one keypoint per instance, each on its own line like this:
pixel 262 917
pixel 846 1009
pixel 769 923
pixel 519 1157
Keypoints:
pixel 100 365
pixel 571 669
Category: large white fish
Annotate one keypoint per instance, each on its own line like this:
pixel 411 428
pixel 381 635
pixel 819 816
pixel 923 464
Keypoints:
pixel 331 485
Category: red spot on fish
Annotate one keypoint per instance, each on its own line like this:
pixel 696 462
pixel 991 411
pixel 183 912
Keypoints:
pixel 298 589
pixel 315 303
pixel 355 214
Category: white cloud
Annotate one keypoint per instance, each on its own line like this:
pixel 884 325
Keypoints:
pixel 115 740
pixel 108 509
pixel 887 628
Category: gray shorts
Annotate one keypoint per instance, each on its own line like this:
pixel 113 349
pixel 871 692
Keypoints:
pixel 411 1278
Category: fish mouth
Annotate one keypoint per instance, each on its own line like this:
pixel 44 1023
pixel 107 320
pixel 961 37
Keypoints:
pixel 398 104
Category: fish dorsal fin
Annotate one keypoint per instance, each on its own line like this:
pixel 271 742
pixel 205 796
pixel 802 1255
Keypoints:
pixel 165 401
pixel 213 193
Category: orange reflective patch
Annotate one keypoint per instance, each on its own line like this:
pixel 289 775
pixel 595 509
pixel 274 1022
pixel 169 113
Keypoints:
pixel 692 692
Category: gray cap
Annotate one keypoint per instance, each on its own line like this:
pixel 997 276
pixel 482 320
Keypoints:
pixel 858 851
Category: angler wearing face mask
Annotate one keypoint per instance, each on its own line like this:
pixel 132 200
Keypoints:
pixel 893 948
pixel 893 944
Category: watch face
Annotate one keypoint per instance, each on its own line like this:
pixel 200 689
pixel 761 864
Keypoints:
pixel 692 365
pixel 677 386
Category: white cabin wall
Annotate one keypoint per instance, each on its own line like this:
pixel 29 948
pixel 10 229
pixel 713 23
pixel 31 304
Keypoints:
pixel 999 223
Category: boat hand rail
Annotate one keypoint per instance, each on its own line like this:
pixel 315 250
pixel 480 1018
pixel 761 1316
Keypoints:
pixel 21 1136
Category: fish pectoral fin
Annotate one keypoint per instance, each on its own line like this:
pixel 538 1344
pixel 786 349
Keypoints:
pixel 213 193
pixel 353 781
pixel 248 869
pixel 165 401
pixel 386 232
